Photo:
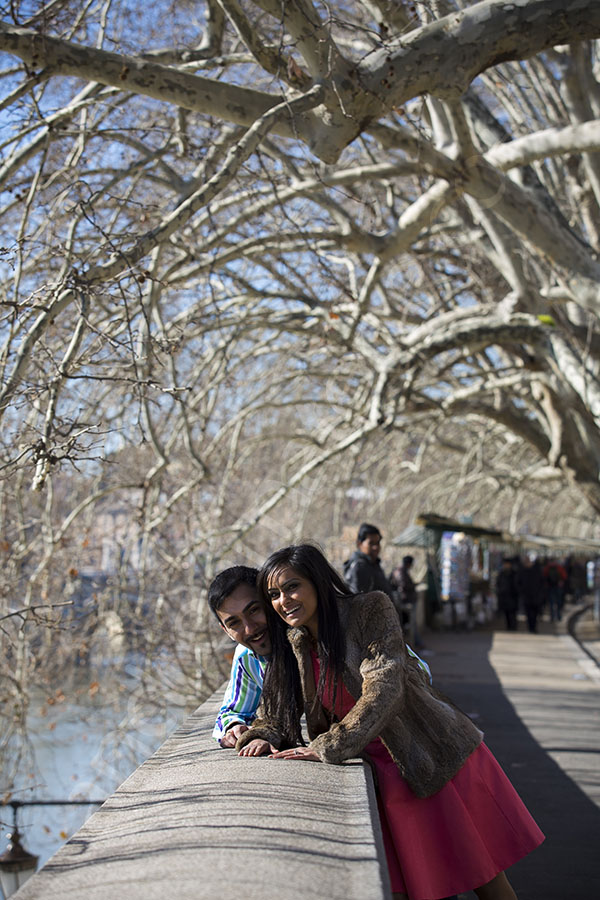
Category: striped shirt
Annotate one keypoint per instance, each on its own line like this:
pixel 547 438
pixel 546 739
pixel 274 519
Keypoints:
pixel 421 662
pixel 243 691
pixel 245 687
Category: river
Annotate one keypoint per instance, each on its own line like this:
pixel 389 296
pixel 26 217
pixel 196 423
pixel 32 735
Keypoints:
pixel 82 745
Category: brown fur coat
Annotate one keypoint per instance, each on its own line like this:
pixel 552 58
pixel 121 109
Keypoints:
pixel 428 738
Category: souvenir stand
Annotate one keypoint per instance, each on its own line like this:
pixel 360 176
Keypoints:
pixel 461 560
pixel 593 584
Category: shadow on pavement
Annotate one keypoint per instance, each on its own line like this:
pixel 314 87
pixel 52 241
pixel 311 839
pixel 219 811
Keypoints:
pixel 566 866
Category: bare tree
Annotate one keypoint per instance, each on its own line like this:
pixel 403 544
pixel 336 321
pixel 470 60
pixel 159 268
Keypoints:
pixel 256 252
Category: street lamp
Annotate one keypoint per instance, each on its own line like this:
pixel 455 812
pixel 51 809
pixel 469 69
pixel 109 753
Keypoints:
pixel 16 863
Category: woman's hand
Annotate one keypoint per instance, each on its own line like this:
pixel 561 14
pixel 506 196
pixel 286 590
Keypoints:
pixel 296 753
pixel 257 747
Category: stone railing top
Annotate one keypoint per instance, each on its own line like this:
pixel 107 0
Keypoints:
pixel 196 821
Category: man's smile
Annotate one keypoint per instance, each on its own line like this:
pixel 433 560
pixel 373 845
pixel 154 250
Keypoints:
pixel 258 637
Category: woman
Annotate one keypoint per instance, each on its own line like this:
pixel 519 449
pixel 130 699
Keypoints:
pixel 451 820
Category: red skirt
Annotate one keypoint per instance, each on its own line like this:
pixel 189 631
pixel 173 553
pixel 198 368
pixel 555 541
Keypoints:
pixel 456 840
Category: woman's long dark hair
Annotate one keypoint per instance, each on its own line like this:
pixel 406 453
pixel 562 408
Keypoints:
pixel 282 690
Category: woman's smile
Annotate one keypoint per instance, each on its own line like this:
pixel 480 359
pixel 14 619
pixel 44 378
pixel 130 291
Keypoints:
pixel 294 599
pixel 290 613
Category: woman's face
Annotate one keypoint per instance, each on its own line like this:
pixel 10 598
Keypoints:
pixel 294 598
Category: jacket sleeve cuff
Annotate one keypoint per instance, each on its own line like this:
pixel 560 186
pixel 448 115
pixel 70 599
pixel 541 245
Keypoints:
pixel 262 731
pixel 327 752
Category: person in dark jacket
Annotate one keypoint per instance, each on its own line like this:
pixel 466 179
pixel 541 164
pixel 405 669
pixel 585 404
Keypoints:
pixel 576 579
pixel 531 590
pixel 363 571
pixel 402 580
pixel 406 597
pixel 507 592
pixel 555 579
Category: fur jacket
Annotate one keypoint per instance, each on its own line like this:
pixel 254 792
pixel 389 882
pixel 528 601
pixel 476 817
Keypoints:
pixel 428 737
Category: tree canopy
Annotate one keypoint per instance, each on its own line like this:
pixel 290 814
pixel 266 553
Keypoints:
pixel 254 253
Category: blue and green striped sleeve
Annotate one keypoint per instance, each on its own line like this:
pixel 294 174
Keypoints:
pixel 243 691
pixel 421 662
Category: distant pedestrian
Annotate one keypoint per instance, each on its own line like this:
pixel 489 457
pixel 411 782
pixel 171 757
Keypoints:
pixel 507 592
pixel 406 597
pixel 576 579
pixel 555 579
pixel 531 590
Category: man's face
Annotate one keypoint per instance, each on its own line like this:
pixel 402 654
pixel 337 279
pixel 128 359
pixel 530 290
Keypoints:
pixel 243 617
pixel 371 546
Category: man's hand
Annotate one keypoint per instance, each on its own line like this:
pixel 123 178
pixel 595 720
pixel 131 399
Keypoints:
pixel 257 747
pixel 230 737
pixel 296 753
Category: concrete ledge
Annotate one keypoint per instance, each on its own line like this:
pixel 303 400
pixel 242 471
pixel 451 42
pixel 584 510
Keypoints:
pixel 195 821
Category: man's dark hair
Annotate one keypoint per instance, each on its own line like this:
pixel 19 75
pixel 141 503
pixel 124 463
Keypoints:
pixel 227 581
pixel 407 561
pixel 365 530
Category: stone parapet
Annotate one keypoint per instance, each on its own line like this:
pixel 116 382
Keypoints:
pixel 195 821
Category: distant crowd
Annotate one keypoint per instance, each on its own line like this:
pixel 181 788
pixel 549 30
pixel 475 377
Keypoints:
pixel 535 585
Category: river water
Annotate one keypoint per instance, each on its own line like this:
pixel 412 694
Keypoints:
pixel 82 745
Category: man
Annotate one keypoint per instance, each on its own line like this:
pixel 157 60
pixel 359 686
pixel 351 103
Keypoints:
pixel 555 578
pixel 406 599
pixel 531 589
pixel 233 598
pixel 363 570
pixel 507 592
pixel 402 580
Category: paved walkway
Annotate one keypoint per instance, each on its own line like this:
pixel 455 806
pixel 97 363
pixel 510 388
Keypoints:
pixel 537 699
